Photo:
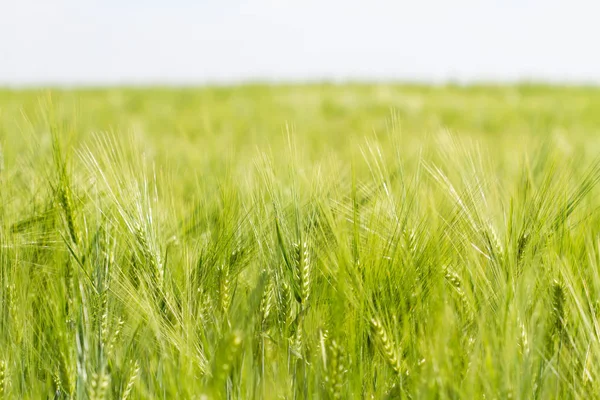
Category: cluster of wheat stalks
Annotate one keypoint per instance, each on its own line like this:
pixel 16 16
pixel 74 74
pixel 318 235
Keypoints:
pixel 394 275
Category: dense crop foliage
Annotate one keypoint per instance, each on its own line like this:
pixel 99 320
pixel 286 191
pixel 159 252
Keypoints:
pixel 353 241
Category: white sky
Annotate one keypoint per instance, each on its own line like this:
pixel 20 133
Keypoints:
pixel 185 41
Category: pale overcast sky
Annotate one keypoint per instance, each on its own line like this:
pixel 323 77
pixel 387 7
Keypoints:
pixel 185 41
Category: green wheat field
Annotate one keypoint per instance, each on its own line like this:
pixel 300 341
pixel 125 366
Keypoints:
pixel 321 241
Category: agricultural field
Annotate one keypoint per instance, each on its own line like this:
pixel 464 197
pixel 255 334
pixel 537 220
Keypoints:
pixel 302 241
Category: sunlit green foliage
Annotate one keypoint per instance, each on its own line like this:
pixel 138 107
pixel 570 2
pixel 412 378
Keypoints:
pixel 318 241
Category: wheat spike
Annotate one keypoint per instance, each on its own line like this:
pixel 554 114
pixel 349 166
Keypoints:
pixel 3 378
pixel 305 275
pixel 115 336
pixel 133 375
pixel 57 384
pixel 386 345
pixel 149 255
pixel 336 370
pixel 99 386
pixel 266 300
pixel 455 281
pixel 224 288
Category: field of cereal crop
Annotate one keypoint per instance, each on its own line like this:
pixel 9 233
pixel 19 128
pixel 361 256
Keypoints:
pixel 303 241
